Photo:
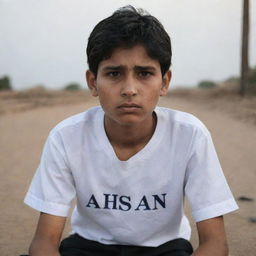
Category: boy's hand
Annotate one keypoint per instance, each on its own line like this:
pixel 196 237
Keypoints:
pixel 47 237
pixel 212 238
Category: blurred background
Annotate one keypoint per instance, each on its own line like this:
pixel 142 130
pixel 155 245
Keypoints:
pixel 43 41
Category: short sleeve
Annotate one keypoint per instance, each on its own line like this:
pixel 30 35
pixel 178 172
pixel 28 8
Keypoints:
pixel 205 185
pixel 52 188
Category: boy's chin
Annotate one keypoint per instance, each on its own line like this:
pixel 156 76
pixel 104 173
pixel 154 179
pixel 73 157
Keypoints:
pixel 127 120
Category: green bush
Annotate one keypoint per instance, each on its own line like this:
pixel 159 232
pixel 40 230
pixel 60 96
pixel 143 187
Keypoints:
pixel 73 87
pixel 252 81
pixel 5 83
pixel 252 76
pixel 206 84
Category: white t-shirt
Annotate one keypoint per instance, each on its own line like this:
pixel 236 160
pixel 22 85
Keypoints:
pixel 134 202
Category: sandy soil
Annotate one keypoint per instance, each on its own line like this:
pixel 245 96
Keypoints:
pixel 26 119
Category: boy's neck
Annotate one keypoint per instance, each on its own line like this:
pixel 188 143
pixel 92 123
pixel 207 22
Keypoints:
pixel 129 140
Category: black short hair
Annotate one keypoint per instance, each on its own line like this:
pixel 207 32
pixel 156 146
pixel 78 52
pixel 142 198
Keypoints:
pixel 128 27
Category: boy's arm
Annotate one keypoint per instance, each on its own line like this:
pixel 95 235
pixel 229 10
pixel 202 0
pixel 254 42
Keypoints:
pixel 47 237
pixel 212 238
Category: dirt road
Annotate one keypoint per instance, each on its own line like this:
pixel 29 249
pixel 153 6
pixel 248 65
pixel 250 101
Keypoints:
pixel 22 137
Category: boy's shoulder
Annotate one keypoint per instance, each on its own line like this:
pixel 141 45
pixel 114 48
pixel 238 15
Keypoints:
pixel 77 120
pixel 182 120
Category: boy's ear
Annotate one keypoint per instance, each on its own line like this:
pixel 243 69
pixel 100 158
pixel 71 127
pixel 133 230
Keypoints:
pixel 165 83
pixel 91 82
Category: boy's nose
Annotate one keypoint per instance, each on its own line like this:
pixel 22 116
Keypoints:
pixel 129 88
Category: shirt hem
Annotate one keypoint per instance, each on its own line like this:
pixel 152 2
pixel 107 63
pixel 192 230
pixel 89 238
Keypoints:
pixel 215 210
pixel 46 207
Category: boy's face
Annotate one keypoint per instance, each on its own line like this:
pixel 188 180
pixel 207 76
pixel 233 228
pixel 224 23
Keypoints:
pixel 128 84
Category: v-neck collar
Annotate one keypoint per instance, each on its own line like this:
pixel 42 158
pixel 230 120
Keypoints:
pixel 141 155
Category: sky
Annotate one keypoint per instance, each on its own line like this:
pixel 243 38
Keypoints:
pixel 43 42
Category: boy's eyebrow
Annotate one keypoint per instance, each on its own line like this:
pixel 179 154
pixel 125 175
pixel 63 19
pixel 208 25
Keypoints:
pixel 120 67
pixel 113 67
pixel 145 68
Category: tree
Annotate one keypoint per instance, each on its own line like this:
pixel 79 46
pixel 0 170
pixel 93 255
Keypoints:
pixel 73 87
pixel 5 83
pixel 206 84
pixel 245 48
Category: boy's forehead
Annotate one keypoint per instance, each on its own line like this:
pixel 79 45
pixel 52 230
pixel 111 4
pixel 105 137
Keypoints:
pixel 134 56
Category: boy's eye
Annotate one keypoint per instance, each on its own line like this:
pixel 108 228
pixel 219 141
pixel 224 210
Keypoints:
pixel 113 74
pixel 145 73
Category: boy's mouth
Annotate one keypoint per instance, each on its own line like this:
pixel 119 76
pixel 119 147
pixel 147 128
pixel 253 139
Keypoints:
pixel 129 107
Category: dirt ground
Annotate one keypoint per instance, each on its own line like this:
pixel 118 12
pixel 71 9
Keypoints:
pixel 26 119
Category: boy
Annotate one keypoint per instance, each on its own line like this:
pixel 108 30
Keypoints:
pixel 129 163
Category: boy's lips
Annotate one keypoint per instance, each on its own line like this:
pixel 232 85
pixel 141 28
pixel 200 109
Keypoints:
pixel 129 107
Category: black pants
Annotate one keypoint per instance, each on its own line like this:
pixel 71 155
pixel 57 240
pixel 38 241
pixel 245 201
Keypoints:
pixel 75 245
